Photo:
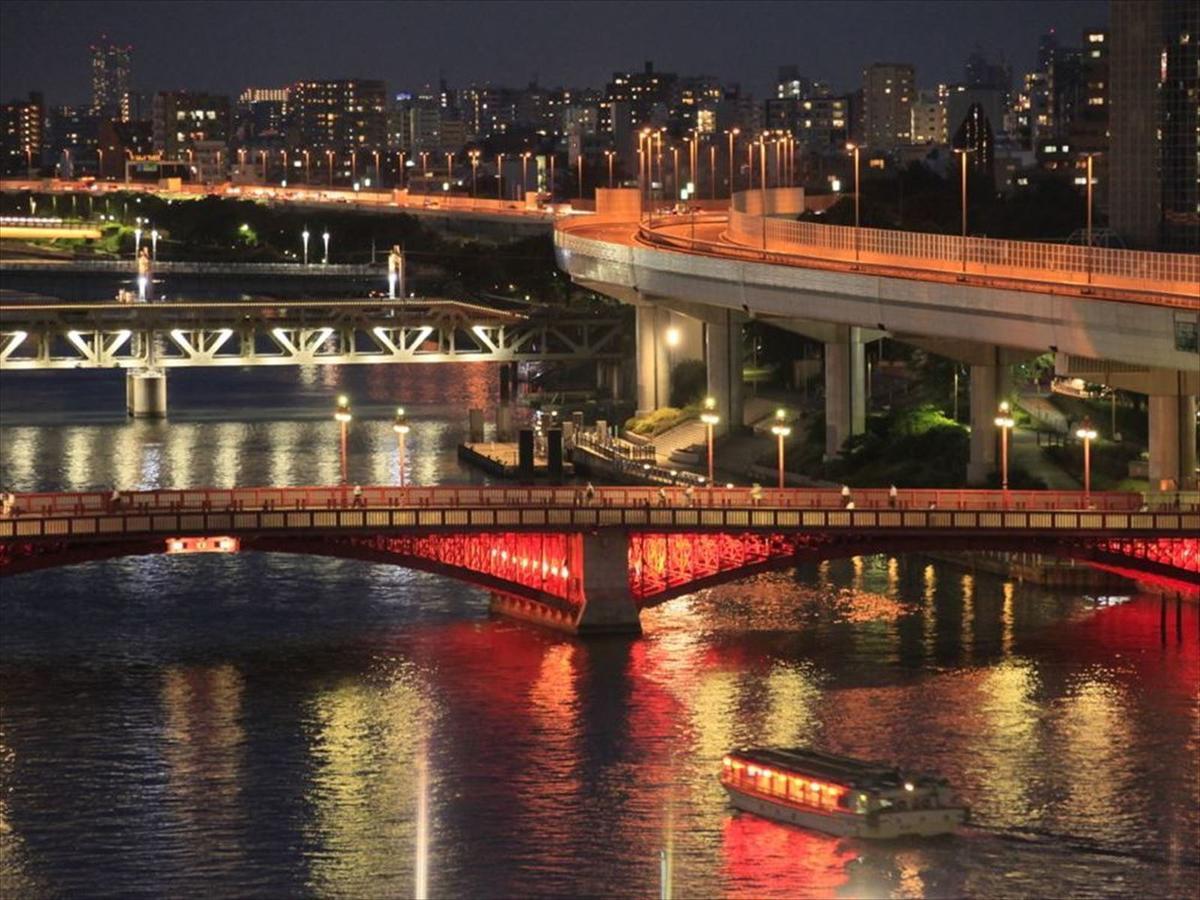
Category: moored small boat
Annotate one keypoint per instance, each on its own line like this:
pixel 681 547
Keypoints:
pixel 839 795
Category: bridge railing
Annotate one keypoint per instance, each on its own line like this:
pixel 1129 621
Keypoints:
pixel 450 497
pixel 143 524
pixel 181 267
pixel 768 237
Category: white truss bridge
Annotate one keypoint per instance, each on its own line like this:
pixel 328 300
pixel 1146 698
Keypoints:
pixel 287 333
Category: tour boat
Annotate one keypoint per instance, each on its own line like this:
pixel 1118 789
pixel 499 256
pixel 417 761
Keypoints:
pixel 838 795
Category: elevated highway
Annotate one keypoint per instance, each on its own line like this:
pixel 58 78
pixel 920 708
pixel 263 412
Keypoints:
pixel 1125 318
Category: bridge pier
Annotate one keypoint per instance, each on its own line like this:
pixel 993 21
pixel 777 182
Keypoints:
pixel 989 384
pixel 845 390
pixel 600 562
pixel 1172 442
pixel 653 373
pixel 146 393
pixel 723 360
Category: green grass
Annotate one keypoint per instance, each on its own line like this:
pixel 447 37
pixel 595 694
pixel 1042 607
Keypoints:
pixel 659 420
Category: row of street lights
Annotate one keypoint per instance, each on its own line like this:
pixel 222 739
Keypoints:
pixel 304 236
pixel 1086 432
pixel 343 417
pixel 710 419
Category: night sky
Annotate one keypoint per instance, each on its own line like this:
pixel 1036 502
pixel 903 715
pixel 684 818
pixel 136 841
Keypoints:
pixel 224 46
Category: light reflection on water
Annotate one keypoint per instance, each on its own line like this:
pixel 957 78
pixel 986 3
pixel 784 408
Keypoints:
pixel 253 724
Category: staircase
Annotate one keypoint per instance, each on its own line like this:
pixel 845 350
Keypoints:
pixel 669 445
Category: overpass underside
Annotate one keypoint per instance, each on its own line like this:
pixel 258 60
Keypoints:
pixel 987 327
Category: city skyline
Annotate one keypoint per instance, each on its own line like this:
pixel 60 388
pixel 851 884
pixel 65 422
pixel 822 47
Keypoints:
pixel 258 47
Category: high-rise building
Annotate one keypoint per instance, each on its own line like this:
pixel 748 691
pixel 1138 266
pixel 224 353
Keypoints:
pixel 184 120
pixel 340 115
pixel 929 119
pixel 121 142
pixel 982 72
pixel 790 83
pixel 888 93
pixel 261 114
pixel 72 133
pixel 1088 130
pixel 975 135
pixel 21 122
pixel 646 95
pixel 819 123
pixel 1153 64
pixel 110 79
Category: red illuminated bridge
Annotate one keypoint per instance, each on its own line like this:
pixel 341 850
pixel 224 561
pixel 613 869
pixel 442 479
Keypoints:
pixel 552 556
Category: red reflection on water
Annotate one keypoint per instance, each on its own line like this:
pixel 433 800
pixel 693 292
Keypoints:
pixel 1145 620
pixel 475 384
pixel 762 858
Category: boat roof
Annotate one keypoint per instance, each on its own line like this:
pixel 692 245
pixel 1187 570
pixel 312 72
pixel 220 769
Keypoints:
pixel 835 768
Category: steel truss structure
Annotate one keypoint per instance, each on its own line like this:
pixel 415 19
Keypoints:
pixel 180 335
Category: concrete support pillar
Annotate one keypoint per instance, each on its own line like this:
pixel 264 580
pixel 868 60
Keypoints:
pixel 1172 442
pixel 608 606
pixel 599 565
pixel 504 424
pixel 989 385
pixel 688 334
pixel 845 391
pixel 146 393
pixel 608 378
pixel 723 360
pixel 653 365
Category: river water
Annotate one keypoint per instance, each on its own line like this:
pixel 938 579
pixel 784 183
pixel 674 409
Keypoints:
pixel 259 724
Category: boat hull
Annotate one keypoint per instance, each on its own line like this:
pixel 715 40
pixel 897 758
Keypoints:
pixel 884 826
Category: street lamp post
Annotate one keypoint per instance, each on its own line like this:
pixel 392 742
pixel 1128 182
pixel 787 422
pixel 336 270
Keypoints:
pixel 581 173
pixel 1087 433
pixel 342 416
pixel 325 237
pixel 710 418
pixel 781 430
pixel 1088 251
pixel 329 163
pixel 499 176
pixel 304 238
pixel 712 171
pixel 474 173
pixel 610 155
pixel 1004 421
pixel 964 151
pixel 853 148
pixel 524 174
pixel 401 427
pixel 154 244
pixel 733 132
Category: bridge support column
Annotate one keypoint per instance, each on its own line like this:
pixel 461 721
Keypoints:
pixel 600 562
pixel 1172 442
pixel 845 390
pixel 989 383
pixel 608 378
pixel 723 362
pixel 653 364
pixel 146 393
pixel 608 606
